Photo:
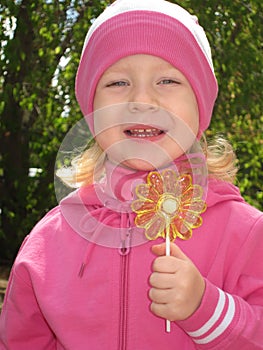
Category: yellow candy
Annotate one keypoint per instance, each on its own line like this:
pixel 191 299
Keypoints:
pixel 168 202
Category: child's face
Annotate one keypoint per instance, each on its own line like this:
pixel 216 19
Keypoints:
pixel 146 84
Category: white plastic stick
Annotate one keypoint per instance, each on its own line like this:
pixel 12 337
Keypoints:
pixel 167 248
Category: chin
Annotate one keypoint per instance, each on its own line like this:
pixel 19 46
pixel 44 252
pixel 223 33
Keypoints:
pixel 138 164
pixel 143 165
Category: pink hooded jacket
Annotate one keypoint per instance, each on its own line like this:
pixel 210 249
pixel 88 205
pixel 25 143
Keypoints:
pixel 67 292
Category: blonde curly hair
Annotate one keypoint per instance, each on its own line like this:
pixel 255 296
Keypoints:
pixel 220 158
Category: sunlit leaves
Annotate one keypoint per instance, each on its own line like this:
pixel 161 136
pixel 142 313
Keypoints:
pixel 40 48
pixel 235 32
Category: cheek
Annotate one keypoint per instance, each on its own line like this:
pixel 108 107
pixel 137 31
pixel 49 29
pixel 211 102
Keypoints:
pixel 101 99
pixel 186 119
pixel 97 103
pixel 185 128
pixel 104 139
pixel 192 115
pixel 194 123
pixel 185 110
pixel 195 114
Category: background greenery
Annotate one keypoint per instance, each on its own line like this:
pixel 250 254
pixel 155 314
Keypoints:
pixel 41 43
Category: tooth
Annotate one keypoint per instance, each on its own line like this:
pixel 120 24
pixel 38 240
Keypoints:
pixel 143 133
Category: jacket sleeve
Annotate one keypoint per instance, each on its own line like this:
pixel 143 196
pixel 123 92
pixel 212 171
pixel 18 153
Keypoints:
pixel 22 325
pixel 232 319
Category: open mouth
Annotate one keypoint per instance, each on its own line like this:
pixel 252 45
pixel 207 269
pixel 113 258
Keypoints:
pixel 144 132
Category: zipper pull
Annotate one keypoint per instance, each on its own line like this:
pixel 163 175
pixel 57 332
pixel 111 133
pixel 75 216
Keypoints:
pixel 125 242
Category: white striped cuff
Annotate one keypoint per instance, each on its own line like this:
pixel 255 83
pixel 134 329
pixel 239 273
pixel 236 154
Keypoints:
pixel 223 315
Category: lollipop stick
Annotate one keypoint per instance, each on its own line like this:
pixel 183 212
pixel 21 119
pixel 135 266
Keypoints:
pixel 167 249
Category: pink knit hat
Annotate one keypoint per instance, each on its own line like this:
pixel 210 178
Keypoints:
pixel 154 27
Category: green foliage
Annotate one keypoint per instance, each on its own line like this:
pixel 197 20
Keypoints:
pixel 40 46
pixel 41 43
pixel 235 31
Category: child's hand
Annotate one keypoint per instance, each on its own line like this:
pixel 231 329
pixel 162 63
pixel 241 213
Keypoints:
pixel 177 285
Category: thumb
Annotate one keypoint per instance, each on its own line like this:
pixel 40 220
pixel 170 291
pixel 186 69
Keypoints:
pixel 160 250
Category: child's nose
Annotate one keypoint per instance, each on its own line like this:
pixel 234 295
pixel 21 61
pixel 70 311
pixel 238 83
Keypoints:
pixel 142 99
pixel 136 107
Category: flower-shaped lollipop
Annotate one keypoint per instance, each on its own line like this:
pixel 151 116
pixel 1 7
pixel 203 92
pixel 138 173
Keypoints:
pixel 168 204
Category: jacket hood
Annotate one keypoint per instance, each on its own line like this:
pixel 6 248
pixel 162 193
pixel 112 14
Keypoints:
pixel 102 213
pixel 221 191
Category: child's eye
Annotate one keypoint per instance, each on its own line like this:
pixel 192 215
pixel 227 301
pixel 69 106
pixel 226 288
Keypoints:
pixel 168 82
pixel 117 83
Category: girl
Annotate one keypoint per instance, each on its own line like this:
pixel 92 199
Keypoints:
pixel 94 272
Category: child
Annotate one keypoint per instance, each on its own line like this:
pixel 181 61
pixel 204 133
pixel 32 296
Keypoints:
pixel 87 277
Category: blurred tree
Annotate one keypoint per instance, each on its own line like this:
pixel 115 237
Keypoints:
pixel 41 43
pixel 236 34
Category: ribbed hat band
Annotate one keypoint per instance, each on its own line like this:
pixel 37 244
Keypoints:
pixel 153 33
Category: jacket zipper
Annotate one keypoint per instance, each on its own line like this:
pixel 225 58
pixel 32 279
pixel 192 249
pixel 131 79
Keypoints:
pixel 124 271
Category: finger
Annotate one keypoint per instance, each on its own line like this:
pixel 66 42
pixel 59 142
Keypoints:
pixel 160 250
pixel 162 310
pixel 166 264
pixel 159 296
pixel 162 280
